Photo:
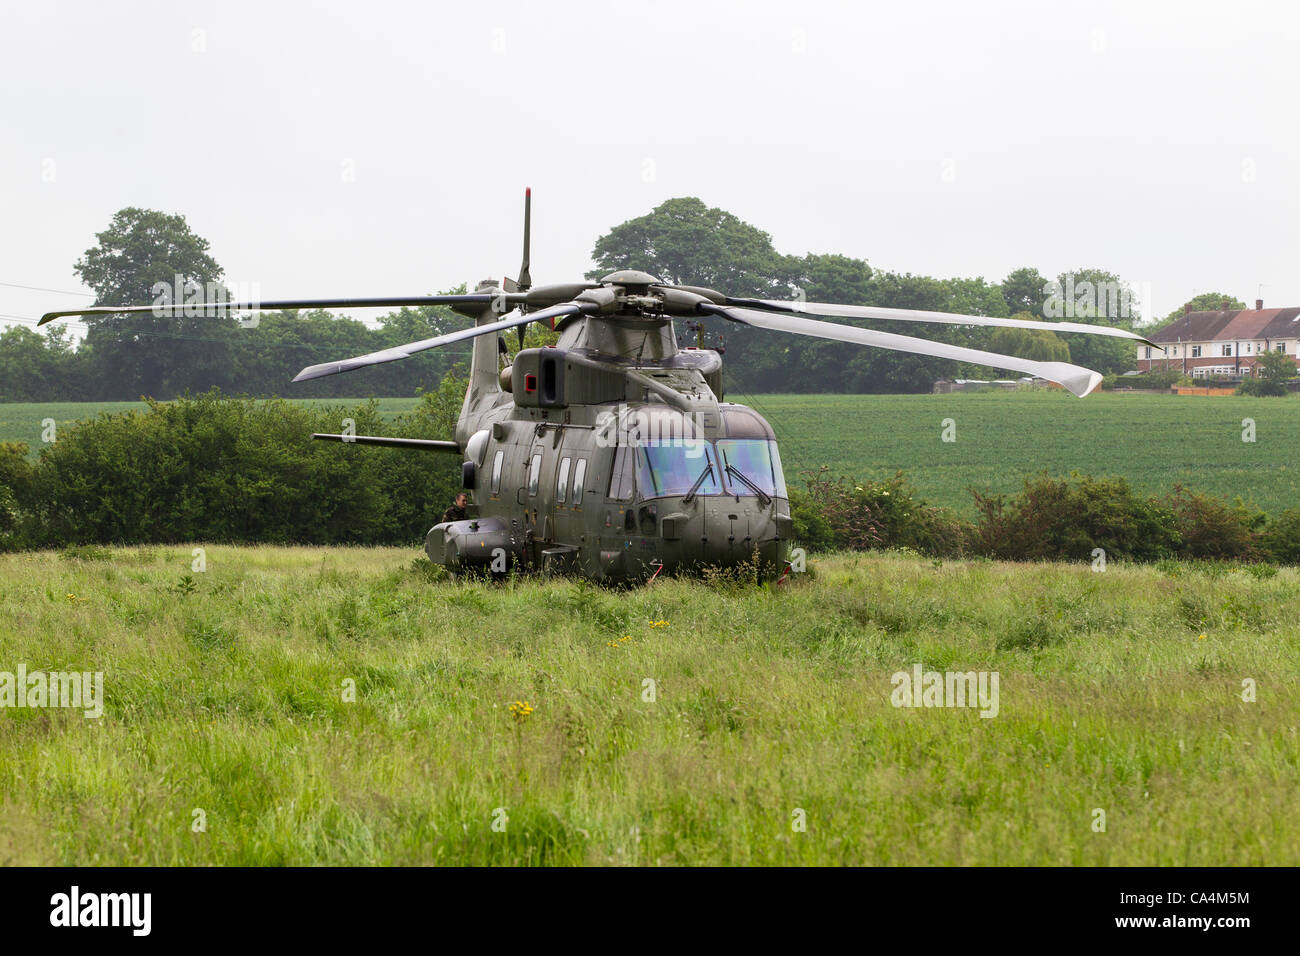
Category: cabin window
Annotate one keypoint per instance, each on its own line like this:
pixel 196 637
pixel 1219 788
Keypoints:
pixel 674 468
pixel 562 482
pixel 755 458
pixel 621 480
pixel 496 472
pixel 534 474
pixel 579 476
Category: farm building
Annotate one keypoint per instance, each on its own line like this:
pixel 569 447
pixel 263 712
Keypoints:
pixel 1224 343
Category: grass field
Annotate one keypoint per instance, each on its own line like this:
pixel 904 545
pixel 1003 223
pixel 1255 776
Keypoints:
pixel 1119 692
pixel 1153 440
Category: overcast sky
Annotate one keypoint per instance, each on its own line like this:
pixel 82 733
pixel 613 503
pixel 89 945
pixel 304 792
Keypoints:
pixel 367 148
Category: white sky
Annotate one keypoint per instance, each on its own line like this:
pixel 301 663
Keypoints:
pixel 1158 140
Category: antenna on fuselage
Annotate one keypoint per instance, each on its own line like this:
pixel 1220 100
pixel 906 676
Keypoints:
pixel 525 278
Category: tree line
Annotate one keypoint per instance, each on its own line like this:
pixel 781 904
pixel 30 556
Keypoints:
pixel 126 357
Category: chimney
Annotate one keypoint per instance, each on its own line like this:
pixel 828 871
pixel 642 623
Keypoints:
pixel 1187 308
pixel 1259 305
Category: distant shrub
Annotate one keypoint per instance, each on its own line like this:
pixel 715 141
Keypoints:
pixel 1049 519
pixel 1280 540
pixel 15 485
pixel 211 468
pixel 1067 518
pixel 1156 378
pixel 1262 387
pixel 1209 527
pixel 838 513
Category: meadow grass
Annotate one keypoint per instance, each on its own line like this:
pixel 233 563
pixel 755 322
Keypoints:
pixel 1119 691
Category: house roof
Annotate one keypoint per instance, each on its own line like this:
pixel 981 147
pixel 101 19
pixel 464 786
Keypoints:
pixel 1285 325
pixel 1231 326
pixel 1247 324
pixel 1194 327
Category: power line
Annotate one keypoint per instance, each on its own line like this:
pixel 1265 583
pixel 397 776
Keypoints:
pixel 37 288
pixel 27 321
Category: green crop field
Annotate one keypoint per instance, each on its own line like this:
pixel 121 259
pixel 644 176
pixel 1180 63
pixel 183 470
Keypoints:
pixel 1153 440
pixel 685 722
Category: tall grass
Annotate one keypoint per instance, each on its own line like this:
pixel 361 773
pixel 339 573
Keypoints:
pixel 1120 691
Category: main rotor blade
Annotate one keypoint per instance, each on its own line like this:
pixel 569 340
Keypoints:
pixel 220 308
pixel 1079 381
pixel 406 351
pixel 920 315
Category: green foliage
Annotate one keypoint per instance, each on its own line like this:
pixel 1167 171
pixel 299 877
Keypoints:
pixel 682 240
pixel 1066 519
pixel 1280 541
pixel 233 699
pixel 1157 378
pixel 1209 527
pixel 1205 302
pixel 1039 345
pixel 15 487
pixel 1272 371
pixel 212 468
pixel 1023 291
pixel 140 252
pixel 834 512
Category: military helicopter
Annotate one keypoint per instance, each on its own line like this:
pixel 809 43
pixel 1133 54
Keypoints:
pixel 612 454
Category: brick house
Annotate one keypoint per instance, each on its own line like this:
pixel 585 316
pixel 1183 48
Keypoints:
pixel 1225 343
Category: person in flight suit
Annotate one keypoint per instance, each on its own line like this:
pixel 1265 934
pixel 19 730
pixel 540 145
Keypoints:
pixel 457 510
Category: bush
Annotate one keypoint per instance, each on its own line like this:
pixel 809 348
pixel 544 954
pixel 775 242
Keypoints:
pixel 1262 388
pixel 1066 519
pixel 15 487
pixel 210 468
pixel 1280 541
pixel 837 513
pixel 1208 527
pixel 1156 378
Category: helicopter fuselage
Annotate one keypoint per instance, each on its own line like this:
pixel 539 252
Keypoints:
pixel 611 456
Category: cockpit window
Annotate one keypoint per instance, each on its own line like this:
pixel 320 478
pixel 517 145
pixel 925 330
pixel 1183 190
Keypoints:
pixel 757 460
pixel 676 468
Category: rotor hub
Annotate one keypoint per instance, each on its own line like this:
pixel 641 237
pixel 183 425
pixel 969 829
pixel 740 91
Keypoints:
pixel 633 280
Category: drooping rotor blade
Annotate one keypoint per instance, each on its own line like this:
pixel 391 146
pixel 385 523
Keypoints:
pixel 1079 381
pixel 920 315
pixel 225 308
pixel 406 351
